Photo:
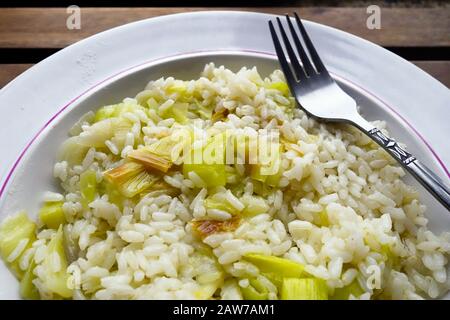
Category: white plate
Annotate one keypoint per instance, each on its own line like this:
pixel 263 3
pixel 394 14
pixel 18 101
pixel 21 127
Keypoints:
pixel 39 105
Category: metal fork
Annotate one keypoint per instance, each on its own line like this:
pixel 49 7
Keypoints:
pixel 321 97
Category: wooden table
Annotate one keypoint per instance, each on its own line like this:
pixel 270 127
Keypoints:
pixel 421 35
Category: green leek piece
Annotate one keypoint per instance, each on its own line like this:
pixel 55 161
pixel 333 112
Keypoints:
pixel 88 187
pixel 304 289
pixel 280 86
pixel 269 180
pixel 130 179
pixel 217 202
pixel 261 189
pixel 344 293
pixel 204 112
pixel 27 288
pixel 13 230
pixel 323 218
pixel 254 205
pixel 275 268
pixel 116 110
pixel 106 112
pixel 178 87
pixel 213 175
pixel 250 293
pixel 52 215
pixel 177 111
pixel 255 290
pixel 211 203
pixel 114 195
pixel 55 264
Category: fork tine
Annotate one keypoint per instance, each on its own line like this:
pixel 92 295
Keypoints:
pixel 300 73
pixel 281 58
pixel 309 69
pixel 312 51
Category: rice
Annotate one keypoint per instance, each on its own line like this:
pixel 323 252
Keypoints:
pixel 339 206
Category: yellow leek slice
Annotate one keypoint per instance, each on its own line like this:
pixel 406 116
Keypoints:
pixel 150 160
pixel 14 230
pixel 130 179
pixel 52 215
pixel 213 175
pixel 88 187
pixel 27 288
pixel 55 264
pixel 304 289
pixel 344 293
pixel 275 268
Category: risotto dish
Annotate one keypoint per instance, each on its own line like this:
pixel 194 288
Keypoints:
pixel 222 188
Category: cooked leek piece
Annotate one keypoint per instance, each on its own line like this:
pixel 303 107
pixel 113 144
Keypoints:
pixel 114 195
pixel 72 151
pixel 124 172
pixel 208 273
pixel 71 247
pixel 280 86
pixel 321 219
pixel 130 178
pixel 216 201
pixel 344 293
pixel 164 147
pixel 88 187
pixel 138 184
pixel 204 228
pixel 150 160
pixel 106 112
pixel 272 180
pixel 291 146
pixel 272 264
pixel 177 87
pixel 116 110
pixel 207 290
pixel 177 111
pixel 55 263
pixel 275 268
pixel 213 175
pixel 96 135
pixel 220 115
pixel 86 118
pixel 254 205
pixel 255 290
pixel 250 293
pixel 51 214
pixel 204 112
pixel 304 289
pixel 27 288
pixel 16 232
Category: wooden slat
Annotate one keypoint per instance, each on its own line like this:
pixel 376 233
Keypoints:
pixel 46 27
pixel 9 71
pixel 438 69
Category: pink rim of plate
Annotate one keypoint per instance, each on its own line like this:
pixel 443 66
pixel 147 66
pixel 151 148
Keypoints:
pixel 16 163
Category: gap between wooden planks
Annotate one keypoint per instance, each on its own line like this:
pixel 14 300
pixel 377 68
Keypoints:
pixel 438 69
pixel 46 27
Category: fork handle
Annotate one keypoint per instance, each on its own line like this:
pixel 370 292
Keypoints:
pixel 421 172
